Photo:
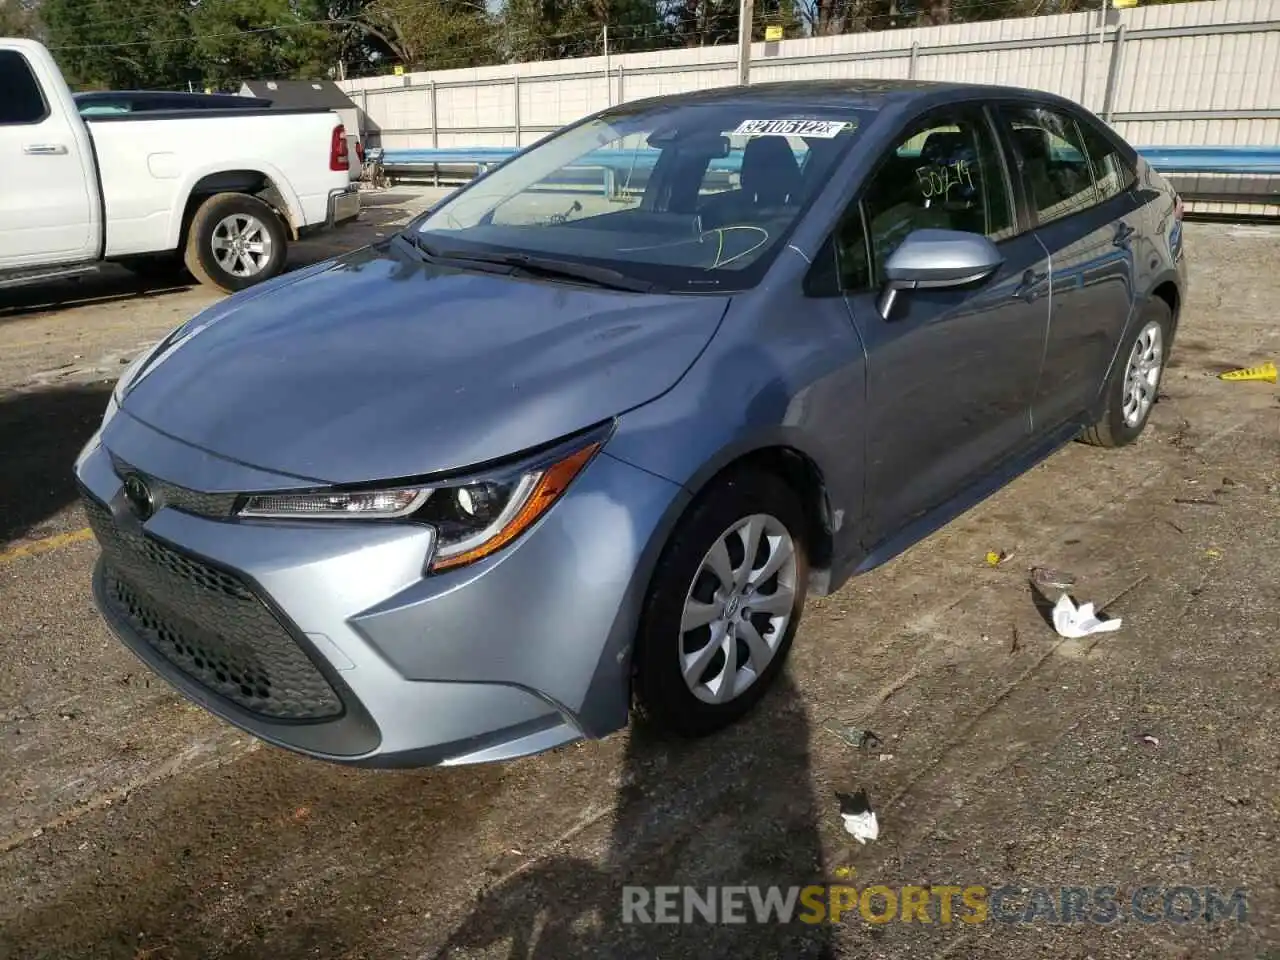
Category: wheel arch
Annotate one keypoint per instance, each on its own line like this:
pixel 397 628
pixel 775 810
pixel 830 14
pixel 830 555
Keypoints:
pixel 267 185
pixel 1168 291
pixel 785 458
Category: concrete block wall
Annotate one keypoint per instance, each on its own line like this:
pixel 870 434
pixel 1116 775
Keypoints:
pixel 1184 73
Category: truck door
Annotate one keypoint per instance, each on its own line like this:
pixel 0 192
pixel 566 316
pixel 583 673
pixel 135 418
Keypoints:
pixel 46 207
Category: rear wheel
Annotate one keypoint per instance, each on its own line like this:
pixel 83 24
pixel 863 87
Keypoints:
pixel 235 241
pixel 723 606
pixel 1134 384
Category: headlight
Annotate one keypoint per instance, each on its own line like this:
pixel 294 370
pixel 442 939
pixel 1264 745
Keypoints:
pixel 473 517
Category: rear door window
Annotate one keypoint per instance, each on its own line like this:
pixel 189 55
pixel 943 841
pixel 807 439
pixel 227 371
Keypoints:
pixel 21 101
pixel 1053 161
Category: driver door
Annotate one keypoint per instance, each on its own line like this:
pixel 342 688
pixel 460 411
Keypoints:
pixel 951 373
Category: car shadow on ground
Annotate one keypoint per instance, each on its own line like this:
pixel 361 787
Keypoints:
pixel 41 432
pixel 111 285
pixel 734 808
pixel 703 814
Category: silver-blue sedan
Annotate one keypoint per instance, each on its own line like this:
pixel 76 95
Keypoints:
pixel 584 436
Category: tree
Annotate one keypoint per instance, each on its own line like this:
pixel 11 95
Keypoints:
pixel 435 34
pixel 142 43
pixel 237 40
pixel 20 18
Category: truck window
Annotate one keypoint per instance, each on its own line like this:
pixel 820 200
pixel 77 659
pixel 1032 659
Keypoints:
pixel 22 101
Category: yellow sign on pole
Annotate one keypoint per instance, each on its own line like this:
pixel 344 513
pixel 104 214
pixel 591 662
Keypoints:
pixel 1124 3
pixel 773 32
pixel 399 69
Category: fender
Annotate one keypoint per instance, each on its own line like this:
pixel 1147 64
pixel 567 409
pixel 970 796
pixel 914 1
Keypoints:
pixel 294 216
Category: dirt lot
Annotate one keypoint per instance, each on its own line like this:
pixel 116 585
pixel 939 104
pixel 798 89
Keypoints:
pixel 135 826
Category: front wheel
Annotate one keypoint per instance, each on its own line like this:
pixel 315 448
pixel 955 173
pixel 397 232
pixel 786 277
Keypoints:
pixel 723 606
pixel 235 241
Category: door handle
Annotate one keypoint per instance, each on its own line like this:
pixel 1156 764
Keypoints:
pixel 44 149
pixel 1123 233
pixel 1030 281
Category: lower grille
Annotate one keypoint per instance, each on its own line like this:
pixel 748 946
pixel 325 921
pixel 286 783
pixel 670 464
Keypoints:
pixel 209 624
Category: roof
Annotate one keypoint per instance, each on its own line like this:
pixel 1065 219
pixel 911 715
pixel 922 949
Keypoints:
pixel 300 93
pixel 865 93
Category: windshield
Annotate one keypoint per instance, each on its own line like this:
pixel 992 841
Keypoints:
pixel 683 195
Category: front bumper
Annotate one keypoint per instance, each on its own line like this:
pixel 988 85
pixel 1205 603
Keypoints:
pixel 326 638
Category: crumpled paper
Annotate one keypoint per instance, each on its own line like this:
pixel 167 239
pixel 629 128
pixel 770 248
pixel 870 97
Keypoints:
pixel 859 819
pixel 1074 622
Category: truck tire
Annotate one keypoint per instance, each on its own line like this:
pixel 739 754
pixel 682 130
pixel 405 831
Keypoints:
pixel 235 241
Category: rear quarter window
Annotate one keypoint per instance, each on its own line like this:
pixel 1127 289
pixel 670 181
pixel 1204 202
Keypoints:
pixel 1113 173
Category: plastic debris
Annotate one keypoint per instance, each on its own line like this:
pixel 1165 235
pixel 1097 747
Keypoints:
pixel 855 736
pixel 994 559
pixel 1074 622
pixel 1266 373
pixel 1048 577
pixel 1151 741
pixel 1213 554
pixel 859 819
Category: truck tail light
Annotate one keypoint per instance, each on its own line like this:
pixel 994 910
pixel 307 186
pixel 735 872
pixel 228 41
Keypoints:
pixel 338 159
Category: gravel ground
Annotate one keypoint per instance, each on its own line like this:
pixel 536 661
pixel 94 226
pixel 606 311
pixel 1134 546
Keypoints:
pixel 135 826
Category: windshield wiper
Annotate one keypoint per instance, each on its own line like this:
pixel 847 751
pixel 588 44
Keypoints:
pixel 544 266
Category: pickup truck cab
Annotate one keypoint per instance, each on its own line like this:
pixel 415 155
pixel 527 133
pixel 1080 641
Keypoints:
pixel 221 191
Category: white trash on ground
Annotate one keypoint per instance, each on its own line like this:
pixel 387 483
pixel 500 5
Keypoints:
pixel 1073 622
pixel 859 819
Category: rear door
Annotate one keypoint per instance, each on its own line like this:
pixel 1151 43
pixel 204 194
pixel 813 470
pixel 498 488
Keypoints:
pixel 46 206
pixel 950 373
pixel 1086 223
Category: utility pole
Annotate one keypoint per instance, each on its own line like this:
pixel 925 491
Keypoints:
pixel 608 82
pixel 745 14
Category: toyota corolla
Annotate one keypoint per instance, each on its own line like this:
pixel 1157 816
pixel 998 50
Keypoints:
pixel 582 438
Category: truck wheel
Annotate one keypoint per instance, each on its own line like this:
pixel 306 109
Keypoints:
pixel 235 241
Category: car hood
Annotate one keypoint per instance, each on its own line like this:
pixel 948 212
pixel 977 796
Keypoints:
pixel 380 366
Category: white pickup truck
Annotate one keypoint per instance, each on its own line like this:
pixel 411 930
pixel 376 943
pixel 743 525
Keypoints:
pixel 220 191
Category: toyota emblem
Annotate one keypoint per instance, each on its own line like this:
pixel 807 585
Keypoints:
pixel 139 496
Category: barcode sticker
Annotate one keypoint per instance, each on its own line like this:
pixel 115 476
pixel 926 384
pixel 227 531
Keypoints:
pixel 826 129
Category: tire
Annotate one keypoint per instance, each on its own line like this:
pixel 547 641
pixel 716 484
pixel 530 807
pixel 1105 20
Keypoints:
pixel 1125 414
pixel 663 697
pixel 222 223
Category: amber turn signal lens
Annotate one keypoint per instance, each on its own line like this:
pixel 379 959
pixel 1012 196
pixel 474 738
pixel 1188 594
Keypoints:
pixel 554 481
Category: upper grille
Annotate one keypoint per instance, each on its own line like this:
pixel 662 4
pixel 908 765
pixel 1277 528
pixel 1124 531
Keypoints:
pixel 209 624
pixel 167 494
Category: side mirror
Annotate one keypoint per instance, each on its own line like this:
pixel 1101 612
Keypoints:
pixel 936 259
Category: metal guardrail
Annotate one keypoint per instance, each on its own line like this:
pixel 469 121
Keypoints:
pixel 1244 176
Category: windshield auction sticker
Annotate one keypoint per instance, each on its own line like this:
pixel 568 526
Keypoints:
pixel 825 129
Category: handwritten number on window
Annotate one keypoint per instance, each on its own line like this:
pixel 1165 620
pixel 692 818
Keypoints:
pixel 938 180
